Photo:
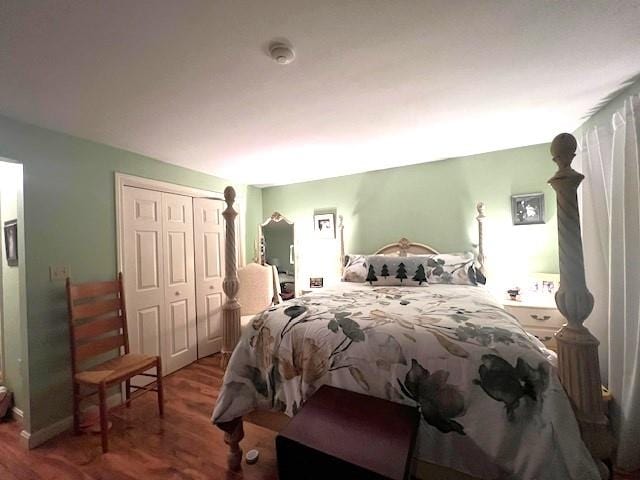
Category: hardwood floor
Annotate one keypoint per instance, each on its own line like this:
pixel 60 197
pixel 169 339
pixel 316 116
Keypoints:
pixel 182 446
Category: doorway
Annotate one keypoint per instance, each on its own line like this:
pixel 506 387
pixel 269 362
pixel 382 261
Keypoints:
pixel 12 258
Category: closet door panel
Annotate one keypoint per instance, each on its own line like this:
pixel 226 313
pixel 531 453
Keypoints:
pixel 179 334
pixel 148 326
pixel 209 265
pixel 143 271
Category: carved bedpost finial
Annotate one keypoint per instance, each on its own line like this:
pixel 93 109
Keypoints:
pixel 229 195
pixel 481 210
pixel 563 149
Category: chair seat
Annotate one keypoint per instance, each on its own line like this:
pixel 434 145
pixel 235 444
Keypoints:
pixel 116 369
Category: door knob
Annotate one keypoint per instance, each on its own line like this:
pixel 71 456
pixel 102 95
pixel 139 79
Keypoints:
pixel 211 287
pixel 177 293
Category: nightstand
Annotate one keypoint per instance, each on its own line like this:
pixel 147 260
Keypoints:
pixel 538 315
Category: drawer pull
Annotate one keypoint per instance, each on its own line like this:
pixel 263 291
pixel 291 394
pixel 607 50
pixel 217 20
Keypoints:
pixel 540 319
pixel 543 339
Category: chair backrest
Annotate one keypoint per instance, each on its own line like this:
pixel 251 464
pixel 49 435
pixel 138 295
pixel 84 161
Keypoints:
pixel 97 319
pixel 256 288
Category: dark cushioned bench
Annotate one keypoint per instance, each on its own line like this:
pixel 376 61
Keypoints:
pixel 341 434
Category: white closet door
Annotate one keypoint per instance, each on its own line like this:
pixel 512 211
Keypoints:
pixel 209 261
pixel 179 333
pixel 143 269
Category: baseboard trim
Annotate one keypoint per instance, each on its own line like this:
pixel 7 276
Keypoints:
pixel 37 438
pixel 17 414
pixel 24 439
pixel 32 440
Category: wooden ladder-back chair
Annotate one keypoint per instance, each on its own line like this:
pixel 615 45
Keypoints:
pixel 97 327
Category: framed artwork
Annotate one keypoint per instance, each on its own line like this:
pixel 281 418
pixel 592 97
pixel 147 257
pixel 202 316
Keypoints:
pixel 316 282
pixel 324 226
pixel 11 242
pixel 527 209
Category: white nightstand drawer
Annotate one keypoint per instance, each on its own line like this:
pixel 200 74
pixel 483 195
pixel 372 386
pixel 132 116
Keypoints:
pixel 534 317
pixel 545 335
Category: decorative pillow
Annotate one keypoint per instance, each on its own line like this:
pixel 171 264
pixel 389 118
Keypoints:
pixel 454 268
pixel 355 269
pixel 398 271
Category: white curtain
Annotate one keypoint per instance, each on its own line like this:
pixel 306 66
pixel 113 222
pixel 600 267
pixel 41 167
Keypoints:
pixel 609 158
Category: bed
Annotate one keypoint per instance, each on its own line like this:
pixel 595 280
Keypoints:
pixel 493 403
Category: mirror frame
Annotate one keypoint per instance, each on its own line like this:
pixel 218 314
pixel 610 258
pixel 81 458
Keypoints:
pixel 276 217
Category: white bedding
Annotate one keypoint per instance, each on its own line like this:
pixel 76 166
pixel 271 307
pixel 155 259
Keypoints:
pixel 491 403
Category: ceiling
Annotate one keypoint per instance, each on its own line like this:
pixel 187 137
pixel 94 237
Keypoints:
pixel 376 83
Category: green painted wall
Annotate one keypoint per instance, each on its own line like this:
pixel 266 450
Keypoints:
pixel 434 203
pixel 10 181
pixel 70 220
pixel 254 218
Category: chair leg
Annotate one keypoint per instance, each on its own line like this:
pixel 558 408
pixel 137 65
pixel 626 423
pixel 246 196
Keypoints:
pixel 159 387
pixel 76 408
pixel 127 393
pixel 104 421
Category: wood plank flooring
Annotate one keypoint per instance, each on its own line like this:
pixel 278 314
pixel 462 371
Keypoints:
pixel 182 446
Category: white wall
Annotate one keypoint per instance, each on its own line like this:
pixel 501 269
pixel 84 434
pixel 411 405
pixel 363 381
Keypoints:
pixel 10 187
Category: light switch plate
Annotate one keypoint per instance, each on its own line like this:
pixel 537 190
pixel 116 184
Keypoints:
pixel 59 272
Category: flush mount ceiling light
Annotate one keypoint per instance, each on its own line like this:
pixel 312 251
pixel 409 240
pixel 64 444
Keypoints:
pixel 281 53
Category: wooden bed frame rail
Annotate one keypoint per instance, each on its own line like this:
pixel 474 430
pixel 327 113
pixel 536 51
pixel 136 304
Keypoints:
pixel 578 366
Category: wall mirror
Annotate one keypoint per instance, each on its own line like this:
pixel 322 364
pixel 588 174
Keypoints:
pixel 277 248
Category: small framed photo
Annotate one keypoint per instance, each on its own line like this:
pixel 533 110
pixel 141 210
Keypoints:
pixel 527 209
pixel 316 282
pixel 323 225
pixel 11 242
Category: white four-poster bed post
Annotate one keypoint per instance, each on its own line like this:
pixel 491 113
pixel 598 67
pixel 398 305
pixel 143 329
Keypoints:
pixel 230 284
pixel 578 365
pixel 480 219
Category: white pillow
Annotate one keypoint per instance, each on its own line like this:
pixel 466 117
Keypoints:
pixel 356 269
pixel 453 268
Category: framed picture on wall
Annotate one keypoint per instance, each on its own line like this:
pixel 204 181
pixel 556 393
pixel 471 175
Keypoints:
pixel 11 242
pixel 323 224
pixel 527 209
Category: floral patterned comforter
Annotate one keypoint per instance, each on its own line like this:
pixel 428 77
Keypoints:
pixel 491 404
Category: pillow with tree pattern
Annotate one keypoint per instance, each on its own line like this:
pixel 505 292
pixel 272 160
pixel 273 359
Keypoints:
pixel 397 271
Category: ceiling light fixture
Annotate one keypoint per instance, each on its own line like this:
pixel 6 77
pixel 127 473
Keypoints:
pixel 281 53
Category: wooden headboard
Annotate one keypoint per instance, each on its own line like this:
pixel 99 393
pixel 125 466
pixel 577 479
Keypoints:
pixel 404 248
